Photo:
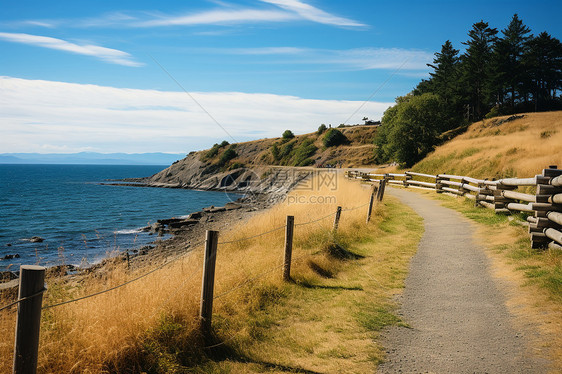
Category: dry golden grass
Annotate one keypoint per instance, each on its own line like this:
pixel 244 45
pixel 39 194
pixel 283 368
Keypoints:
pixel 329 323
pixel 151 324
pixel 522 147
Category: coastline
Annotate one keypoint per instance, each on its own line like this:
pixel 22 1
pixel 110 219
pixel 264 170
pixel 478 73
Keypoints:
pixel 185 230
pixel 261 188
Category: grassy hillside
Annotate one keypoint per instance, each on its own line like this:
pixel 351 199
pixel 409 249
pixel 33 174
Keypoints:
pixel 519 145
pixel 234 166
pixel 301 150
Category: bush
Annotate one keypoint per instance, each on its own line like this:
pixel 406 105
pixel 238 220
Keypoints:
pixel 303 153
pixel 288 134
pixel 237 165
pixel 321 129
pixel 228 155
pixel 211 152
pixel 286 150
pixel 214 150
pixel 275 152
pixel 334 137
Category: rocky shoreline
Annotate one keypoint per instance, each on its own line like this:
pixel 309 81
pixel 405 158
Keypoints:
pixel 185 231
pixel 262 187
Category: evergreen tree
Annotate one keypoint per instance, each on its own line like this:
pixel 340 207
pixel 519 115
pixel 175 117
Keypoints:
pixel 509 52
pixel 445 75
pixel 477 68
pixel 445 82
pixel 543 62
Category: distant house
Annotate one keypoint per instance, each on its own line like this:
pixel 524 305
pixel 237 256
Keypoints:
pixel 370 122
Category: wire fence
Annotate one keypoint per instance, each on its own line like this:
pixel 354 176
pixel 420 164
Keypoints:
pixel 167 263
pixel 211 243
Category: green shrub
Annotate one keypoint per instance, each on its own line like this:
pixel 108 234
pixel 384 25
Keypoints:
pixel 211 152
pixel 275 152
pixel 214 150
pixel 237 165
pixel 286 150
pixel 288 134
pixel 227 155
pixel 334 137
pixel 321 129
pixel 303 153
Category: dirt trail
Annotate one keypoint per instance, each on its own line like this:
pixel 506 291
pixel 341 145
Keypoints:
pixel 458 319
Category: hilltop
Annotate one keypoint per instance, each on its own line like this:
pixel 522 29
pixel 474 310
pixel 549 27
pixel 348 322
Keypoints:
pixel 507 146
pixel 246 165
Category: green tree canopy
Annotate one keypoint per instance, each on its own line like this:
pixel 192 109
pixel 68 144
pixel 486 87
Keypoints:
pixel 409 129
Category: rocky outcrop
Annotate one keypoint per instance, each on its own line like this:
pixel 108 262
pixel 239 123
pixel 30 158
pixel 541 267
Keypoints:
pixel 192 173
pixel 34 239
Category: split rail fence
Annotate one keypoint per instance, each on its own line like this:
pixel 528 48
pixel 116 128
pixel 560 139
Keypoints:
pixel 544 208
pixel 32 286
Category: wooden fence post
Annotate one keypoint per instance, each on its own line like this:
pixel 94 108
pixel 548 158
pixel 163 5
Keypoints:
pixel 289 229
pixel 371 200
pixel 406 180
pixel 382 186
pixel 207 289
pixel 32 285
pixel 438 184
pixel 337 218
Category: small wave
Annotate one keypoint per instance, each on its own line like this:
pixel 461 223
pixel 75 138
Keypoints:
pixel 128 231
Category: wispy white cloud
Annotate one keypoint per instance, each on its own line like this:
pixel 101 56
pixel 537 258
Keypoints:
pixel 36 115
pixel 39 23
pixel 113 56
pixel 222 14
pixel 314 14
pixel 217 17
pixel 350 59
pixel 261 51
pixel 380 58
pixel 292 10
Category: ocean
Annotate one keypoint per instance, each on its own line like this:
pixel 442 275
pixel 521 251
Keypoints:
pixel 81 220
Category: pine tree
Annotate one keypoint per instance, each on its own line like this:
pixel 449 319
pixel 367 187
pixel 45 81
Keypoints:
pixel 445 83
pixel 509 52
pixel 477 67
pixel 543 62
pixel 445 73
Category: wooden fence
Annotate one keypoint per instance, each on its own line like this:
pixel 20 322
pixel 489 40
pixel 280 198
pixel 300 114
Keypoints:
pixel 544 208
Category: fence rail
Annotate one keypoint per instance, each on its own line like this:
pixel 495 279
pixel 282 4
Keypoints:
pixel 545 206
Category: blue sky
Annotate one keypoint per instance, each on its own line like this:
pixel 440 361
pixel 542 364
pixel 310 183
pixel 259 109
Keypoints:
pixel 140 76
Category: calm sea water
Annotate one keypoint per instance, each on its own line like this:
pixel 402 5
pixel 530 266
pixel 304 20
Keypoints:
pixel 81 220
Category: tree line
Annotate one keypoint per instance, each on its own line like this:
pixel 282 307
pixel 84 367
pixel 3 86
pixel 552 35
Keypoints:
pixel 499 73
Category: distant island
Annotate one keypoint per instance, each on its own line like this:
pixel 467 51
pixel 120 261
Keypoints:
pixel 91 158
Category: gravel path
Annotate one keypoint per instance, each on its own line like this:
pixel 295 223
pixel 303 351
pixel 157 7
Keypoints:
pixel 458 320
